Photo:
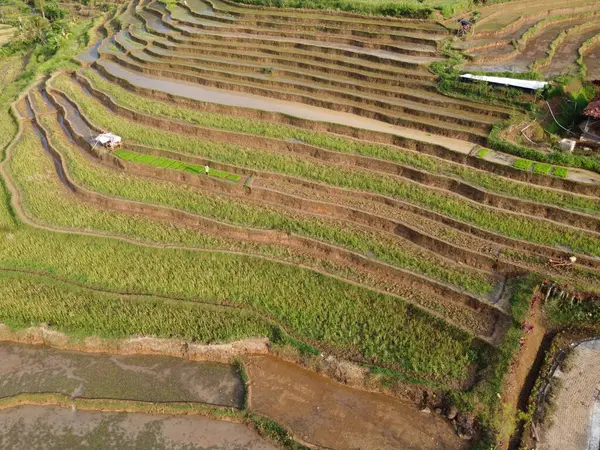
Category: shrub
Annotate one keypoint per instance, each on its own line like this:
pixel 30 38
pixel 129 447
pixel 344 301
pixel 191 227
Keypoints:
pixel 561 172
pixel 522 164
pixel 542 168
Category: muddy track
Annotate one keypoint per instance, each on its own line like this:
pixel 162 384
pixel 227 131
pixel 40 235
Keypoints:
pixel 307 245
pixel 364 135
pixel 454 186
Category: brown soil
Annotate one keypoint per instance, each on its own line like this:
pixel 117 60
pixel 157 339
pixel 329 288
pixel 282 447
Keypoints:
pixel 324 413
pixel 592 62
pixel 565 58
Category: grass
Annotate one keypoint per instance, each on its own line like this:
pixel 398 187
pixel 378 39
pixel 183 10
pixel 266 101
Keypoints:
pixel 484 399
pixel 541 168
pixel 167 163
pixel 504 223
pixel 338 143
pixel 577 313
pixel 561 172
pixel 522 164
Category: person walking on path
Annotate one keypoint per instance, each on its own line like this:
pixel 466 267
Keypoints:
pixel 206 169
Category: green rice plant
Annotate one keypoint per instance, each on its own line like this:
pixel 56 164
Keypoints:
pixel 322 311
pixel 541 168
pixel 241 213
pixel 522 164
pixel 156 161
pixel 483 152
pixel 505 223
pixel 28 299
pixel 561 172
pixel 341 144
pixel 45 199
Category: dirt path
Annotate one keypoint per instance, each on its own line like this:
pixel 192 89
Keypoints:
pixel 324 413
pixel 43 427
pixel 575 421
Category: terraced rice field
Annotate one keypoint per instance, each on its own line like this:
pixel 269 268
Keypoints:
pixel 350 212
pixel 541 36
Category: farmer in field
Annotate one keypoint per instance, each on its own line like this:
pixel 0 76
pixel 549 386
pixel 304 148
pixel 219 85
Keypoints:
pixel 206 169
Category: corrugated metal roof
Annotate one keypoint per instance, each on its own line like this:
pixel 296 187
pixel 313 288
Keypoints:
pixel 514 82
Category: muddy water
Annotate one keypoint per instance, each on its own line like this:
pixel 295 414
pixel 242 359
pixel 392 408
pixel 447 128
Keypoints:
pixel 73 116
pixel 91 54
pixel 155 23
pixel 331 415
pixel 42 427
pixel 31 369
pixel 300 110
pixel 338 46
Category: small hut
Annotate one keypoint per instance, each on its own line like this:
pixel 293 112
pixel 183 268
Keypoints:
pixel 108 140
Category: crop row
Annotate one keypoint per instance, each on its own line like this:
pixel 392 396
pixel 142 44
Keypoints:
pixel 171 164
pixel 243 213
pixel 323 311
pixel 75 214
pixel 343 145
pixel 514 226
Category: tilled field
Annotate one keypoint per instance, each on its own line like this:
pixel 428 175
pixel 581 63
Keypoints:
pixel 554 37
pixel 347 209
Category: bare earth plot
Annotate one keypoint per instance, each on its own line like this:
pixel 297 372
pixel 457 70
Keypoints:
pixel 331 415
pixel 575 417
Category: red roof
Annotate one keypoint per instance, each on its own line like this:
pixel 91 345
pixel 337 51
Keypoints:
pixel 593 108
